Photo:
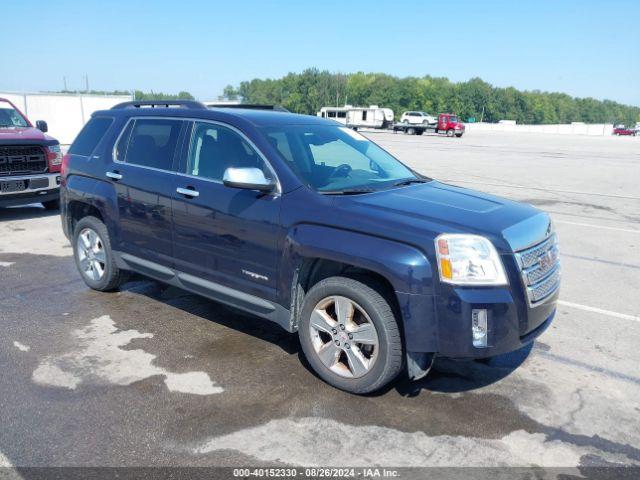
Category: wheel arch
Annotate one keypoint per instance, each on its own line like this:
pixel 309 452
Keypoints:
pixel 314 252
pixel 83 196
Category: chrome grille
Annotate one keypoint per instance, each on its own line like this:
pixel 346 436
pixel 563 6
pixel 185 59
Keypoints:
pixel 540 267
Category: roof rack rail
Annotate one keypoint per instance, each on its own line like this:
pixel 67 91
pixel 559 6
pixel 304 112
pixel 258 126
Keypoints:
pixel 160 104
pixel 250 106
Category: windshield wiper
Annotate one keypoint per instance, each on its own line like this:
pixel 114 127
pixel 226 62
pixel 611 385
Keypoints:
pixel 348 191
pixel 408 181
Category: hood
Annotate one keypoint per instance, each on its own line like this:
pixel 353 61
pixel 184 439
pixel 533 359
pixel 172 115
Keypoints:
pixel 438 208
pixel 23 135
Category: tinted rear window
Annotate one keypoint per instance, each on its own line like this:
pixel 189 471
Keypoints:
pixel 90 135
pixel 149 143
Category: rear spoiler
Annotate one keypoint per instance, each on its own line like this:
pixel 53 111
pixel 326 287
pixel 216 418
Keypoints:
pixel 192 104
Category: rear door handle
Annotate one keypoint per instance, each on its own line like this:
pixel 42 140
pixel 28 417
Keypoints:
pixel 114 175
pixel 189 192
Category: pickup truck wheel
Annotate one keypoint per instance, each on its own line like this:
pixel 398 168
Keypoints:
pixel 450 133
pixel 349 335
pixel 51 205
pixel 93 255
pixel 411 131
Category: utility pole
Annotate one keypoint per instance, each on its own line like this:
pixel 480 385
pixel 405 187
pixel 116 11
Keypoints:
pixel 64 81
pixel 86 83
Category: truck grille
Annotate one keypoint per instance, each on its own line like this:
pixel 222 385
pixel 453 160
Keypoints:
pixel 15 160
pixel 540 267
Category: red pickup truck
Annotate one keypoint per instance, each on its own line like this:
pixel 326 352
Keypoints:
pixel 622 130
pixel 29 160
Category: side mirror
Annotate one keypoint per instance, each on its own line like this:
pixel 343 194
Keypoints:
pixel 42 126
pixel 247 178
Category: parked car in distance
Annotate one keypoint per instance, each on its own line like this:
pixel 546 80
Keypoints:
pixel 29 161
pixel 622 130
pixel 308 224
pixel 418 118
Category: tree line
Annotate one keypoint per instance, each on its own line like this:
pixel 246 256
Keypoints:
pixel 312 89
pixel 138 94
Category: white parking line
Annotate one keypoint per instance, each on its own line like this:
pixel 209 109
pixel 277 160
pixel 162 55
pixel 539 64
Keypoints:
pixel 586 308
pixel 590 225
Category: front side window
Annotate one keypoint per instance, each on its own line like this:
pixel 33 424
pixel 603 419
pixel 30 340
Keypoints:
pixel 333 159
pixel 149 142
pixel 214 148
pixel 10 117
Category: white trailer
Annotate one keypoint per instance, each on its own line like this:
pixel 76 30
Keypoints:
pixel 339 114
pixel 359 117
pixel 370 117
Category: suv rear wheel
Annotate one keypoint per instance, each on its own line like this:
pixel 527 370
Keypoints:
pixel 93 255
pixel 349 334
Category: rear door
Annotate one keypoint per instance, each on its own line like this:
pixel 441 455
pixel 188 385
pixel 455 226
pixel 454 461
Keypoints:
pixel 143 173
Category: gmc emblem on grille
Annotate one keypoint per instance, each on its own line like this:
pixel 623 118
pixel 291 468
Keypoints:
pixel 546 259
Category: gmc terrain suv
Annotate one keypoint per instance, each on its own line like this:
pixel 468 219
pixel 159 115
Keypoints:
pixel 29 161
pixel 306 223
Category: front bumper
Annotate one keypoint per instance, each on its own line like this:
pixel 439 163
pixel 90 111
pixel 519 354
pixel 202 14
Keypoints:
pixel 37 188
pixel 442 323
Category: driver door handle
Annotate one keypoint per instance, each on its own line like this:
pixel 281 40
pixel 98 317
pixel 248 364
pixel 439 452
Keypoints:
pixel 188 192
pixel 114 175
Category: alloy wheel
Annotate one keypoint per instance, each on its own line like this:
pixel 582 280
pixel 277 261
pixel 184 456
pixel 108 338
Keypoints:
pixel 343 336
pixel 91 254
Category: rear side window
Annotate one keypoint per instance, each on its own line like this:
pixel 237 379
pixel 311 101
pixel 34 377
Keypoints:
pixel 90 136
pixel 149 143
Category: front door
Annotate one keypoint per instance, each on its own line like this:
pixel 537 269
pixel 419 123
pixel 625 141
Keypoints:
pixel 142 173
pixel 228 236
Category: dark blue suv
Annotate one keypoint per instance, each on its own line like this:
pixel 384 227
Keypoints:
pixel 301 221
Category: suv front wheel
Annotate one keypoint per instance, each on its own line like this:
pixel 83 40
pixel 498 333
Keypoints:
pixel 93 256
pixel 349 334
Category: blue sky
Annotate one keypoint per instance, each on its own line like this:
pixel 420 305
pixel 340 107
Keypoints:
pixel 584 48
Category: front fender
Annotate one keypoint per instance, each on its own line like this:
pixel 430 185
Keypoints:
pixel 404 266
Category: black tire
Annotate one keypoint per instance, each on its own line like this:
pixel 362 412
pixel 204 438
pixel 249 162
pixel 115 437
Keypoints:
pixel 371 298
pixel 113 277
pixel 411 131
pixel 450 133
pixel 458 135
pixel 419 132
pixel 52 204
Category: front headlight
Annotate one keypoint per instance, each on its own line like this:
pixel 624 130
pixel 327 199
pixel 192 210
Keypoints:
pixel 468 260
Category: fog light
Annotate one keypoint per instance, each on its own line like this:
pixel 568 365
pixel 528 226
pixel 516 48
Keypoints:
pixel 479 327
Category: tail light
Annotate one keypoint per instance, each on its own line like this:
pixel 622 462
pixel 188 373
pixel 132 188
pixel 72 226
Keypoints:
pixel 54 157
pixel 64 165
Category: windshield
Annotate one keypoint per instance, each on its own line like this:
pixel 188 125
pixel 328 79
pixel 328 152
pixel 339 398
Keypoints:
pixel 10 117
pixel 334 159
